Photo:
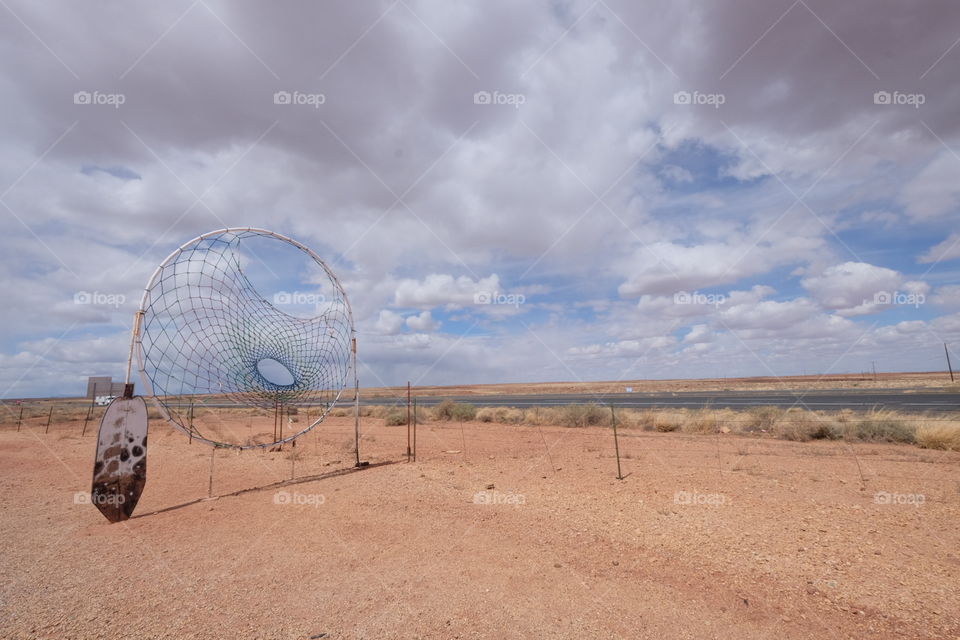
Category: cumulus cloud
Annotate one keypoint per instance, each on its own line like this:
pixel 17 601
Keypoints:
pixel 423 322
pixel 854 288
pixel 438 290
pixel 389 323
pixel 662 267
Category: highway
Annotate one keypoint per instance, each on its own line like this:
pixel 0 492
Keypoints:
pixel 821 400
pixel 904 400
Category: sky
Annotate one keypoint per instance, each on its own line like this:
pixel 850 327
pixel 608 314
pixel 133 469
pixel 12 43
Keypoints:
pixel 509 191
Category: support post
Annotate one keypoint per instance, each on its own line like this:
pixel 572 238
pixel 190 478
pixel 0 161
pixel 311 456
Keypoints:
pixel 20 418
pixel 87 419
pixel 213 450
pixel 408 421
pixel 616 441
pixel 276 404
pixel 356 402
pixel 191 421
pixel 280 422
pixel 49 417
pixel 414 430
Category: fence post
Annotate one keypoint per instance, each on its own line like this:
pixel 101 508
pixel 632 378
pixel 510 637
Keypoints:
pixel 20 418
pixel 49 416
pixel 408 421
pixel 87 419
pixel 616 441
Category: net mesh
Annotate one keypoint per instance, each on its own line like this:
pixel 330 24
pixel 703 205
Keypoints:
pixel 207 332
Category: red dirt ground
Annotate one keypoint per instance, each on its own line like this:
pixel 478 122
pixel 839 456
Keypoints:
pixel 706 537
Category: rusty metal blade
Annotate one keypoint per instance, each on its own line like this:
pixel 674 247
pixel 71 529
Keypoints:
pixel 120 468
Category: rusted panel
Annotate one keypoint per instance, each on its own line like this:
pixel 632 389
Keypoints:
pixel 120 468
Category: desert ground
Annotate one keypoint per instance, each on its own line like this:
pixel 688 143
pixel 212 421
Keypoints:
pixel 495 531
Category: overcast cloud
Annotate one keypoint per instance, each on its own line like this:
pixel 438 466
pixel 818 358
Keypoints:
pixel 510 191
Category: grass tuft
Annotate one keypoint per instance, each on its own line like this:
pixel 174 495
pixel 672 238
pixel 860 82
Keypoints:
pixel 944 436
pixel 882 426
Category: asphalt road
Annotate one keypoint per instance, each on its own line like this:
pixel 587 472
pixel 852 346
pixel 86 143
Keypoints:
pixel 829 400
pixel 905 400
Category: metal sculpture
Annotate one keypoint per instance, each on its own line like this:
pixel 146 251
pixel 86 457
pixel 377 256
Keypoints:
pixel 203 331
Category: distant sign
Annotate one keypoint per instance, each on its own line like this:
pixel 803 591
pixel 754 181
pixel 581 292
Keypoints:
pixel 629 389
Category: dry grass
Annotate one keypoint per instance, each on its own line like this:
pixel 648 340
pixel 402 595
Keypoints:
pixel 929 380
pixel 501 415
pixel 448 410
pixel 934 431
pixel 885 426
pixel 395 417
pixel 939 435
pixel 801 426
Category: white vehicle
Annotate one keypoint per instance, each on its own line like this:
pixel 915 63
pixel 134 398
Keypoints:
pixel 103 401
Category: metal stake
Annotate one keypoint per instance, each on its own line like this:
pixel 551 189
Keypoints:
pixel 408 421
pixel 213 450
pixel 616 441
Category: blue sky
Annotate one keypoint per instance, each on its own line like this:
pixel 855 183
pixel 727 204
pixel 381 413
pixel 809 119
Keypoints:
pixel 508 191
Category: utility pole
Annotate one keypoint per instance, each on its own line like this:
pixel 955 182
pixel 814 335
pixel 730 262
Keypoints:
pixel 947 351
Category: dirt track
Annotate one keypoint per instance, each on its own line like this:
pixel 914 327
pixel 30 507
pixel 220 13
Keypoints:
pixel 707 537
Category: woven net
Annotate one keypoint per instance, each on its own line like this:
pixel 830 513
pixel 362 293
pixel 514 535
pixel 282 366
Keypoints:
pixel 207 335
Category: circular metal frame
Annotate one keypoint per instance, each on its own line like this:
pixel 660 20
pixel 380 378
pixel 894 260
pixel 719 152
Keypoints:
pixel 137 344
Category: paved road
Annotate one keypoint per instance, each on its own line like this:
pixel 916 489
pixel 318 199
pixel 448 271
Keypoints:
pixel 822 399
pixel 831 400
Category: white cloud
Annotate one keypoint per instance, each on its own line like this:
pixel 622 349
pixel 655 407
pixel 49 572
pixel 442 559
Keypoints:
pixel 676 174
pixel 949 249
pixel 423 322
pixel 699 333
pixel 947 296
pixel 854 288
pixel 934 192
pixel 389 323
pixel 666 267
pixel 443 290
